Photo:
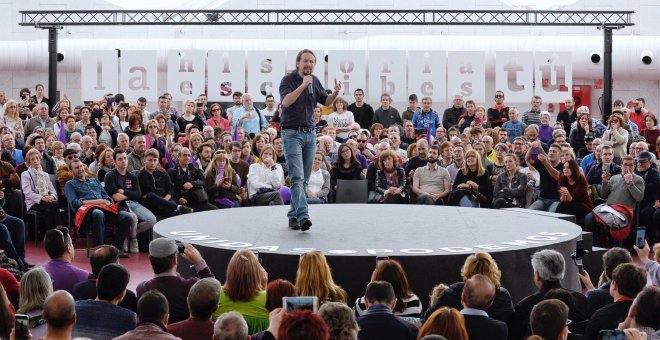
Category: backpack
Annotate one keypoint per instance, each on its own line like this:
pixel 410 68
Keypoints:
pixel 616 217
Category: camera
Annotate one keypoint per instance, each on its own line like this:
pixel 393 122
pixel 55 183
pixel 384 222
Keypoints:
pixel 180 247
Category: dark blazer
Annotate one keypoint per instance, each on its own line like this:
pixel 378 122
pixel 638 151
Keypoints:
pixel 381 181
pixel 501 309
pixel 379 323
pixel 519 325
pixel 485 328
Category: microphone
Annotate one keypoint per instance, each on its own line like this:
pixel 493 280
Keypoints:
pixel 310 89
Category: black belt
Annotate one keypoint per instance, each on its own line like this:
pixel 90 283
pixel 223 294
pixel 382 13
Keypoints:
pixel 300 128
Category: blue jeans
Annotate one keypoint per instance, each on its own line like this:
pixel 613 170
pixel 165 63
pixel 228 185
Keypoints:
pixel 544 204
pixel 299 151
pixel 146 218
pixel 122 222
pixel 12 239
pixel 466 202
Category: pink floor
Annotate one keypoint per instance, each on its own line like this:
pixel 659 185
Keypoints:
pixel 138 264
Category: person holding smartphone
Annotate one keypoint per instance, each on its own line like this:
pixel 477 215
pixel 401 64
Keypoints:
pixel 221 182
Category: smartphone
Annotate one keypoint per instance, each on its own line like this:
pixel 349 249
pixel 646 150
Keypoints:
pixel 124 105
pixel 607 168
pixel 611 334
pixel 180 247
pixel 109 102
pixel 579 249
pixel 535 153
pixel 21 326
pixel 300 302
pixel 641 236
pixel 381 258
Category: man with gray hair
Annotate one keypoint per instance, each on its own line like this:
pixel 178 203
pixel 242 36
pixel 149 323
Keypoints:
pixel 230 326
pixel 41 120
pixel 249 117
pixel 549 268
pixel 203 300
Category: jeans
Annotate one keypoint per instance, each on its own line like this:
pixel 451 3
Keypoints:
pixel 122 222
pixel 146 218
pixel 161 206
pixel 299 151
pixel 545 204
pixel 466 202
pixel 12 239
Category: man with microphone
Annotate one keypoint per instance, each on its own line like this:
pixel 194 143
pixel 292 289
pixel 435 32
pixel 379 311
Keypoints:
pixel 300 91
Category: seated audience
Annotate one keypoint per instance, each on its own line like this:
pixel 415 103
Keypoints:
pixel 510 186
pixel 189 183
pixel 346 167
pixel 318 186
pixel 652 267
pixel 12 237
pixel 60 267
pixel 221 182
pixel 431 182
pixel 102 318
pixel 549 268
pixel 82 190
pixel 599 297
pixel 203 300
pixel 39 192
pixel 157 188
pixel 340 321
pixel 314 278
pixel 478 295
pixel 264 179
pixel 230 325
pixel 60 315
pixel 471 187
pixel 483 264
pixel 643 315
pixel 391 181
pixel 163 257
pixel 152 318
pixel 244 290
pixel 36 287
pixel 549 167
pixel 408 306
pixel 627 281
pixel 549 320
pixel 86 290
pixel 380 322
pixel 446 322
pixel 573 192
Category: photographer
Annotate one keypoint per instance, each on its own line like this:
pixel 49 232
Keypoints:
pixel 163 257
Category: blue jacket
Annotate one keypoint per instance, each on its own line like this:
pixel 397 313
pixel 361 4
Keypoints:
pixel 421 120
pixel 77 191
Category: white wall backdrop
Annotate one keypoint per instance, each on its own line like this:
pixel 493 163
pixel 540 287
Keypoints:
pixel 24 66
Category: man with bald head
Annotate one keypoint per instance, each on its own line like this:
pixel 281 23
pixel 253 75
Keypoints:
pixel 418 161
pixel 478 295
pixel 60 315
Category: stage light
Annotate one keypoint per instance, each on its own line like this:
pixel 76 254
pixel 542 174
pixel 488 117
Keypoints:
pixel 647 57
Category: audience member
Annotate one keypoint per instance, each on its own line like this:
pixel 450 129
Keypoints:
pixel 600 297
pixel 152 318
pixel 60 267
pixel 643 315
pixel 230 326
pixel 314 278
pixel 549 320
pixel 163 257
pixel 60 315
pixel 86 290
pixel 203 300
pixel 447 322
pixel 36 287
pixel 652 267
pixel 478 295
pixel 102 318
pixel 340 321
pixel 380 322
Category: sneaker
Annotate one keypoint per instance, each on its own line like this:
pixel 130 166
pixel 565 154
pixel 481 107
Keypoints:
pixel 305 224
pixel 293 224
pixel 184 210
pixel 125 247
pixel 134 246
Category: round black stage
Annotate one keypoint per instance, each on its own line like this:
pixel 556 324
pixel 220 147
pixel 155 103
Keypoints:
pixel 430 242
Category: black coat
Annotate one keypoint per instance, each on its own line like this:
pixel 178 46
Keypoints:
pixel 485 328
pixel 379 323
pixel 501 309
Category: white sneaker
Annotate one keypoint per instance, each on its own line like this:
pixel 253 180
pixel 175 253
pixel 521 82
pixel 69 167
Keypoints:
pixel 125 246
pixel 134 246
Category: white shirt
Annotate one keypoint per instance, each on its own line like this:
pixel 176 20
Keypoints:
pixel 259 176
pixel 315 183
pixel 341 120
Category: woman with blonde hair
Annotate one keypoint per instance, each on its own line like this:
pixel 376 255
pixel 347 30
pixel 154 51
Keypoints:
pixel 221 182
pixel 472 184
pixel 36 286
pixel 106 162
pixel 484 264
pixel 447 322
pixel 11 119
pixel 245 290
pixel 314 278
pixel 189 117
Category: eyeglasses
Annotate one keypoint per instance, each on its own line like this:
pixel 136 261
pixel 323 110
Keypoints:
pixel 499 96
pixel 352 137
pixel 213 110
pixel 72 157
pixel 152 127
pixel 364 141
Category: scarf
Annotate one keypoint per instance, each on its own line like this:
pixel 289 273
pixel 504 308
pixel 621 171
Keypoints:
pixel 392 178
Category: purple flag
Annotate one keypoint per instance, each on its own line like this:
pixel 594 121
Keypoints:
pixel 62 135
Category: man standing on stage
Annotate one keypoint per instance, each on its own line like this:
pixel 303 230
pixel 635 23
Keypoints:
pixel 300 91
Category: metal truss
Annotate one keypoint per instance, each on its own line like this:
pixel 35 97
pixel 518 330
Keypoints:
pixel 327 17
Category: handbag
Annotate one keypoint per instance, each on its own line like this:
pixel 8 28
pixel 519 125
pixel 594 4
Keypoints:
pixel 199 195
